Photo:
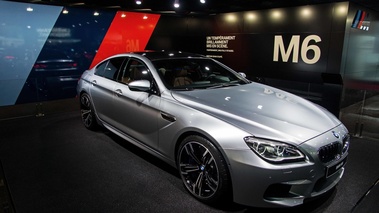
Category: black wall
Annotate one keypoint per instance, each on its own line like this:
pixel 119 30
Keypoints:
pixel 246 41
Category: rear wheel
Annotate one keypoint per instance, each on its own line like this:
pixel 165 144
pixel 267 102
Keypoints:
pixel 87 112
pixel 203 169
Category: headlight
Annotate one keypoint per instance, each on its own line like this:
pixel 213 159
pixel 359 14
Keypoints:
pixel 273 151
pixel 346 143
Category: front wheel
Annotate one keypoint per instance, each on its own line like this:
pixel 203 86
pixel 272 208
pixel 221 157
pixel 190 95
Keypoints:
pixel 203 169
pixel 87 112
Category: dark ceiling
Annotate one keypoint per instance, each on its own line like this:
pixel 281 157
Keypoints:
pixel 194 6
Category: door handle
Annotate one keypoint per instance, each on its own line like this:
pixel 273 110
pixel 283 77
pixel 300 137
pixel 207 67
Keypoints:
pixel 94 82
pixel 118 92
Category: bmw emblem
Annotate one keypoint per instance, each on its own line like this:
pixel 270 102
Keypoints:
pixel 336 134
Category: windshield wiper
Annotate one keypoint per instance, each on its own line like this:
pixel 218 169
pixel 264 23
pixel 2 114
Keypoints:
pixel 223 85
pixel 183 88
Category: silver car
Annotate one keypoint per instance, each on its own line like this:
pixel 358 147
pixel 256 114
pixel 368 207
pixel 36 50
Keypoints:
pixel 229 138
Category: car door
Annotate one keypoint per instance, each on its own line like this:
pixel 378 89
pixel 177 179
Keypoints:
pixel 137 111
pixel 102 90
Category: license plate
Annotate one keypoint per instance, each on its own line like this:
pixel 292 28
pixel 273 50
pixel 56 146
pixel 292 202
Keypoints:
pixel 333 169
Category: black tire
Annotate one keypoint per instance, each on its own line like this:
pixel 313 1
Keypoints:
pixel 87 112
pixel 203 170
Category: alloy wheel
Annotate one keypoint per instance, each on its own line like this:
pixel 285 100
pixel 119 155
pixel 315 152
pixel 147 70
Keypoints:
pixel 199 170
pixel 86 111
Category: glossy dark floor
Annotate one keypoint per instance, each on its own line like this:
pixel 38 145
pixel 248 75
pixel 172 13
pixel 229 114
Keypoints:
pixel 53 164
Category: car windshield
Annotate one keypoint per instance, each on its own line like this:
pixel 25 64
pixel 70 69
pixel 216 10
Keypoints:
pixel 196 73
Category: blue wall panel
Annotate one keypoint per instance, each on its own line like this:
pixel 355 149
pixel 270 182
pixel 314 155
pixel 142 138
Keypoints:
pixel 70 47
pixel 23 32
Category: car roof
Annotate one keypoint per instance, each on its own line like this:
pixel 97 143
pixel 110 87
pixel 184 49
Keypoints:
pixel 155 55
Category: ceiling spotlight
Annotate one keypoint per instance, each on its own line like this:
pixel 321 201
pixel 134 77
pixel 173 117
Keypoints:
pixel 202 1
pixel 65 11
pixel 176 4
pixel 29 9
pixel 138 2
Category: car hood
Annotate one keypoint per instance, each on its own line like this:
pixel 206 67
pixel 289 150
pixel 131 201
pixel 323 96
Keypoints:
pixel 263 111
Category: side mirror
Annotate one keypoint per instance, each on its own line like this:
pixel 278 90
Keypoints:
pixel 139 85
pixel 242 74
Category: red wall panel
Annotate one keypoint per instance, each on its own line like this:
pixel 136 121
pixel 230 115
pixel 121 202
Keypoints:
pixel 129 32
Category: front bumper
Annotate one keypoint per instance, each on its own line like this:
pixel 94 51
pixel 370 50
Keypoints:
pixel 262 184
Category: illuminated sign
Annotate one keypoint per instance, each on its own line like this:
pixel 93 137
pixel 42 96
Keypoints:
pixel 361 20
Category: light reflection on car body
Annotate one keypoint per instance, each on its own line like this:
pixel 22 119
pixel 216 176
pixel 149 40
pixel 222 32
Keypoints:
pixel 225 134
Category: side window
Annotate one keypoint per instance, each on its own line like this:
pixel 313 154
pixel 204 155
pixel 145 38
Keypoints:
pixel 110 69
pixel 101 68
pixel 135 70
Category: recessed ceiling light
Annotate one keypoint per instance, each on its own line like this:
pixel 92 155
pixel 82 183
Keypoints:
pixel 176 4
